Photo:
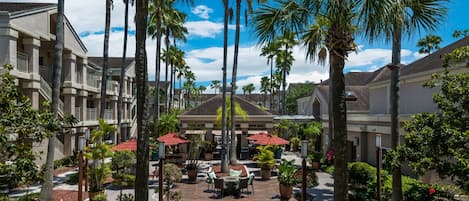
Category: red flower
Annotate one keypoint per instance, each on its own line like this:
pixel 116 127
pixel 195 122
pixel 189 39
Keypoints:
pixel 431 191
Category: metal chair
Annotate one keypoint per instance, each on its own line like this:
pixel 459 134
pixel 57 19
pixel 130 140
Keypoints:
pixel 209 180
pixel 219 185
pixel 251 181
pixel 243 184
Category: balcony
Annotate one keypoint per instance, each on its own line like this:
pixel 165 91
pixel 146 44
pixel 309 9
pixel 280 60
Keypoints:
pixel 91 114
pixel 92 80
pixel 78 113
pixel 108 114
pixel 22 61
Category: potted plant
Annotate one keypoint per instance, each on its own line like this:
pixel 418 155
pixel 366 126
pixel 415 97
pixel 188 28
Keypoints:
pixel 295 143
pixel 315 158
pixel 97 152
pixel 208 150
pixel 277 152
pixel 286 178
pixel 192 166
pixel 265 160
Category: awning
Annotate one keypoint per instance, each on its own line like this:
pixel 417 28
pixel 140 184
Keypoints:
pixel 172 139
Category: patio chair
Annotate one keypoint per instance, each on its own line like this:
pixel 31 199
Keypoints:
pixel 219 185
pixel 243 184
pixel 210 179
pixel 251 181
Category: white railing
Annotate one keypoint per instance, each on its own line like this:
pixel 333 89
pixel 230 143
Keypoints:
pixel 78 113
pixel 108 114
pixel 22 61
pixel 91 114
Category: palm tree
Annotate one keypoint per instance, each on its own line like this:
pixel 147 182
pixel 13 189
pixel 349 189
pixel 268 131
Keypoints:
pixel 107 26
pixel 339 41
pixel 122 72
pixel 224 154
pixel 181 71
pixel 284 60
pixel 277 83
pixel 248 88
pixel 46 190
pixel 141 176
pixel 397 17
pixel 239 111
pixel 270 51
pixel 265 88
pixel 428 44
pixel 215 85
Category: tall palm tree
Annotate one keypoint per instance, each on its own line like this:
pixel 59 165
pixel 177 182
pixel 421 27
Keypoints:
pixel 428 44
pixel 277 84
pixel 181 71
pixel 398 17
pixel 339 41
pixel 102 105
pixel 265 88
pixel 141 177
pixel 270 51
pixel 215 85
pixel 248 88
pixel 46 190
pixel 122 72
pixel 284 60
pixel 224 153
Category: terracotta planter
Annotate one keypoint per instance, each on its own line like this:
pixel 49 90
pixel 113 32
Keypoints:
pixel 266 174
pixel 285 191
pixel 192 174
pixel 316 165
pixel 92 195
pixel 208 156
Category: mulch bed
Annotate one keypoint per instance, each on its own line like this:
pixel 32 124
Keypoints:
pixel 67 195
pixel 62 170
pixel 217 170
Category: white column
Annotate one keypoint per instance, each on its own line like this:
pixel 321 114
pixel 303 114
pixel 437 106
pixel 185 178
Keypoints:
pixel 84 108
pixel 31 48
pixel 69 69
pixel 33 95
pixel 8 40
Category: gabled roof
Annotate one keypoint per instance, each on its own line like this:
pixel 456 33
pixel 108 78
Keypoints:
pixel 356 78
pixel 361 92
pixel 114 62
pixel 430 62
pixel 15 8
pixel 210 107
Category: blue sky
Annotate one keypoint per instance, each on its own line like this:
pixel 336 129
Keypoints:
pixel 204 47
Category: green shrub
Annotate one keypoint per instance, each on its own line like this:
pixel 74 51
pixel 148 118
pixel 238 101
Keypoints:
pixel 125 197
pixel 329 169
pixel 72 178
pixel 172 172
pixel 100 197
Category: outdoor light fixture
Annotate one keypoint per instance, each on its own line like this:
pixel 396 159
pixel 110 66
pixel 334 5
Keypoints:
pixel 81 143
pixel 81 146
pixel 378 141
pixel 304 149
pixel 161 150
pixel 87 134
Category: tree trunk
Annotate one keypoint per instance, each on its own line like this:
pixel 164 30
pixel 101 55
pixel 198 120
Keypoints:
pixel 340 127
pixel 180 92
pixel 224 154
pixel 171 79
pixel 158 69
pixel 46 190
pixel 166 71
pixel 284 85
pixel 141 177
pixel 394 101
pixel 233 158
pixel 271 83
pixel 102 105
pixel 122 74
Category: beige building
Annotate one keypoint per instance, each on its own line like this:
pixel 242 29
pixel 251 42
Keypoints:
pixel 27 38
pixel 369 115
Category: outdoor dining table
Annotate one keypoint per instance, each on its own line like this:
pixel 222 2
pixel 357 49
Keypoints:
pixel 231 185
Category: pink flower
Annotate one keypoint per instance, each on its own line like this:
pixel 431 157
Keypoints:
pixel 431 191
pixel 330 154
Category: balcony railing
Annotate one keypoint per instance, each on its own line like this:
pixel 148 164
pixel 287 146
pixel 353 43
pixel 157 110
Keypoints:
pixel 78 113
pixel 22 61
pixel 79 72
pixel 108 114
pixel 91 114
pixel 46 73
pixel 92 80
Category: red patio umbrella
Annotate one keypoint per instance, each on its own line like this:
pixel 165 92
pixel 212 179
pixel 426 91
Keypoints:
pixel 172 139
pixel 130 145
pixel 271 140
pixel 258 136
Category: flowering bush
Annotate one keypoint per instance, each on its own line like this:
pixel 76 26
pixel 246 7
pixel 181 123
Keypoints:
pixel 330 155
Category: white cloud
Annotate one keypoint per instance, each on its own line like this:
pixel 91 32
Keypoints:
pixel 205 28
pixel 202 11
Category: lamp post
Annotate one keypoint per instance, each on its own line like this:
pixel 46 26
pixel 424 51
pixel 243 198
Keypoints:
pixel 85 167
pixel 378 167
pixel 161 156
pixel 304 154
pixel 81 144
